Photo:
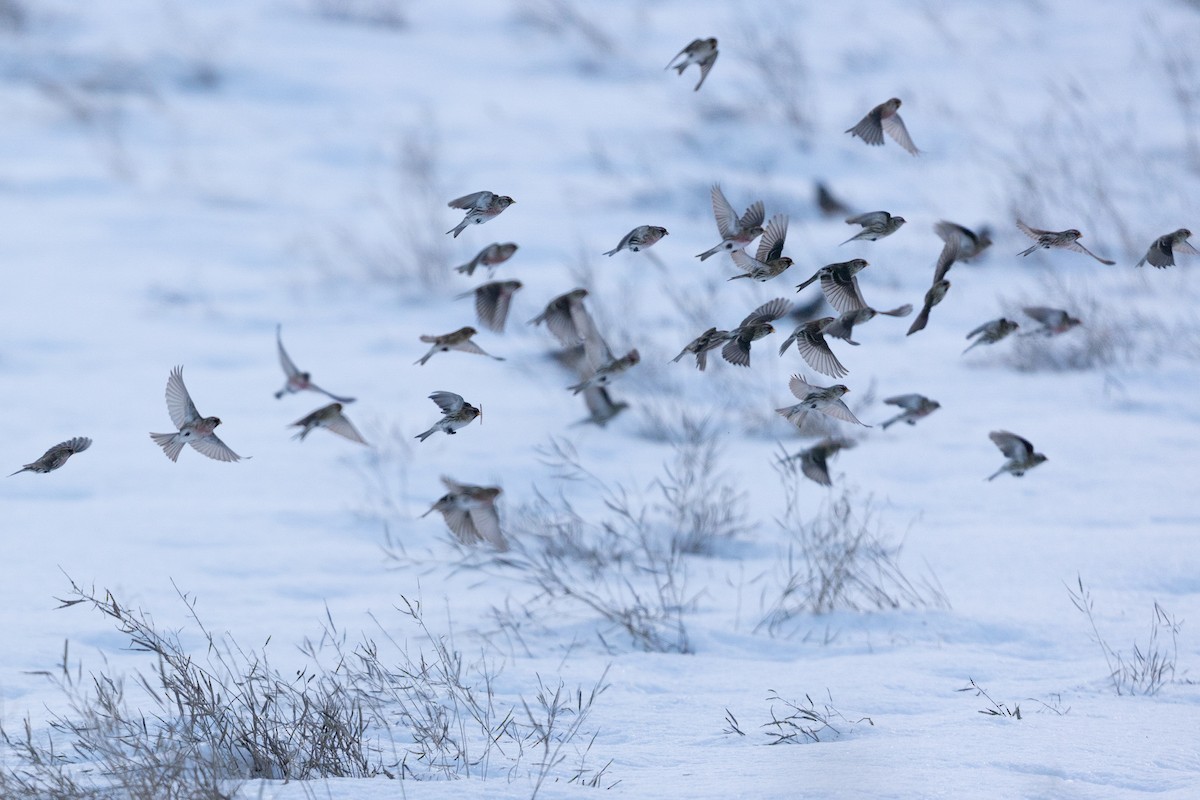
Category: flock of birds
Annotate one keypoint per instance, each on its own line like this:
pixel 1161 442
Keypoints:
pixel 469 511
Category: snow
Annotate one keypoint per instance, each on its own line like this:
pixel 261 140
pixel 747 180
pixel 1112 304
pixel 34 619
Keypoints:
pixel 177 179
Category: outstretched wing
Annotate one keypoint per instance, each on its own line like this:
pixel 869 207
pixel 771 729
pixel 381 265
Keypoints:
pixel 179 402
pixel 895 129
pixel 214 448
pixel 770 246
pixel 768 312
pixel 727 219
pixel 448 402
pixel 1013 446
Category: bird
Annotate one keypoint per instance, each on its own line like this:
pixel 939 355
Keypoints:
pixel 916 406
pixel 470 513
pixel 491 303
pixel 839 284
pixel 193 429
pixel 875 225
pixel 561 317
pixel 814 460
pixel 480 207
pixel 711 339
pixel 935 295
pixel 1018 451
pixel 755 326
pixel 702 52
pixel 601 407
pixel 830 206
pixel 970 243
pixel 455 340
pixel 736 232
pixel 769 261
pixel 332 419
pixel 843 326
pixel 991 332
pixel 601 365
pixel 298 381
pixel 1067 240
pixel 456 413
pixel 811 344
pixel 639 239
pixel 491 256
pixel 881 118
pixel 1162 253
pixel 56 456
pixel 826 399
pixel 951 251
pixel 1054 321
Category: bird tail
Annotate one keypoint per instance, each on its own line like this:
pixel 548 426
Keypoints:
pixel 793 414
pixel 459 228
pixel 891 421
pixel 996 473
pixel 23 469
pixel 613 252
pixel 786 344
pixel 426 357
pixel 426 434
pixel 171 444
pixel 1028 250
pixel 468 268
pixel 712 252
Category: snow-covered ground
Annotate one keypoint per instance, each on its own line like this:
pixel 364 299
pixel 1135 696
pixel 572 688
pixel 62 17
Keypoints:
pixel 177 179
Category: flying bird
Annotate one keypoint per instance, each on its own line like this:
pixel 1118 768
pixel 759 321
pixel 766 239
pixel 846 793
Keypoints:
pixel 330 418
pixel 56 456
pixel 754 327
pixel 916 406
pixel 970 243
pixel 830 206
pixel 298 381
pixel 562 317
pixel 814 462
pixel 1018 451
pixel 840 285
pixel 470 513
pixel 825 399
pixel 881 118
pixel 602 366
pixel 935 295
pixel 455 340
pixel 843 326
pixel 193 428
pixel 711 339
pixel 770 260
pixel 639 239
pixel 875 225
pixel 1053 321
pixel 702 52
pixel 991 332
pixel 736 232
pixel 601 407
pixel 492 301
pixel 1162 253
pixel 1066 240
pixel 491 257
pixel 480 207
pixel 811 344
pixel 456 413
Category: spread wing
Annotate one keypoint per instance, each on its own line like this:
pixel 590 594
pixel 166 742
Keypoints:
pixel 289 366
pixel 869 218
pixel 1046 316
pixel 755 214
pixel 448 402
pixel 770 246
pixel 838 410
pixel 473 200
pixel 1013 446
pixel 768 312
pixel 814 350
pixel 800 387
pixel 909 402
pixel 727 219
pixel 214 448
pixel 179 402
pixel 842 292
pixel 1032 233
pixel 343 427
pixel 895 129
pixel 487 525
pixel 868 128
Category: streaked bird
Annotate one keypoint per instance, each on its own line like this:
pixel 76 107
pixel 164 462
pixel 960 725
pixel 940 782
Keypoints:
pixel 562 317
pixel 702 52
pixel 492 301
pixel 843 327
pixel 455 340
pixel 491 257
pixel 480 207
pixel 330 418
pixel 298 381
pixel 736 232
pixel 884 118
pixel 1053 321
pixel 755 326
pixel 456 413
pixel 970 243
pixel 193 428
pixel 639 239
pixel 602 367
pixel 916 406
pixel 875 225
pixel 1162 253
pixel 933 296
pixel 991 332
pixel 811 344
pixel 825 399
pixel 840 285
pixel 711 339
pixel 814 461
pixel 1065 240
pixel 1018 451
pixel 470 513
pixel 769 261
pixel 56 456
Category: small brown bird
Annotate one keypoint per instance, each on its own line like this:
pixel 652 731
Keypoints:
pixel 1066 240
pixel 56 456
pixel 480 207
pixel 830 206
pixel 916 406
pixel 491 257
pixel 814 462
pixel 811 344
pixel 843 326
pixel 456 340
pixel 470 513
pixel 840 285
pixel 875 225
pixel 601 365
pixel 702 52
pixel 711 339
pixel 492 301
pixel 601 408
pixel 991 332
pixel 970 244
pixel 1162 253
pixel 1054 321
pixel 754 327
pixel 770 260
pixel 932 297
pixel 1019 451
pixel 298 381
pixel 827 400
pixel 639 239
pixel 193 428
pixel 881 118
pixel 332 419
pixel 561 315
pixel 456 413
pixel 735 232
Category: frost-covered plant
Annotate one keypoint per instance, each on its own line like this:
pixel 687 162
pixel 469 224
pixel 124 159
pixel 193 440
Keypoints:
pixel 797 722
